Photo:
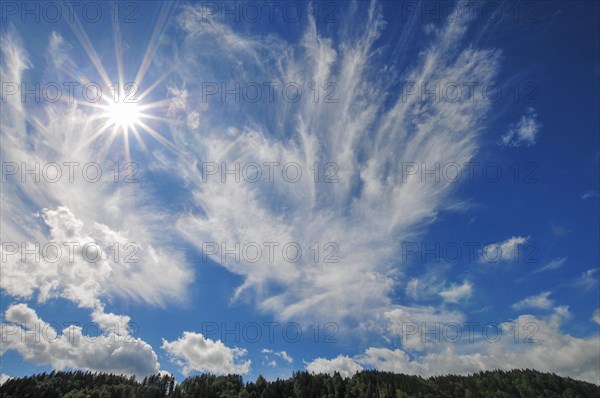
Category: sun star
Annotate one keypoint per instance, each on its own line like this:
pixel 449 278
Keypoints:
pixel 123 115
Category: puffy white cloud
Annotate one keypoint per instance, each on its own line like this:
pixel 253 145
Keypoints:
pixel 193 352
pixel 596 316
pixel 539 344
pixel 540 301
pixel 404 320
pixel 524 132
pixel 3 378
pixel 90 346
pixel 507 250
pixel 85 262
pixel 456 293
pixel 342 364
pixel 109 320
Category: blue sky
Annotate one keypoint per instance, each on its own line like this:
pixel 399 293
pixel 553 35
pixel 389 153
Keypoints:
pixel 359 115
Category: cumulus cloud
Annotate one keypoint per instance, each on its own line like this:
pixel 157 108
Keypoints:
pixel 83 263
pixel 3 378
pixel 540 345
pixel 596 316
pixel 195 353
pixel 91 346
pixel 457 293
pixel 524 132
pixel 507 250
pixel 540 301
pixel 342 364
pixel 403 320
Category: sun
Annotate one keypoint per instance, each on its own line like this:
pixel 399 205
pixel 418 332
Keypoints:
pixel 123 115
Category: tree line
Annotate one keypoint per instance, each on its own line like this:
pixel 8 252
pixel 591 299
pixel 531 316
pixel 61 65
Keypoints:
pixel 364 384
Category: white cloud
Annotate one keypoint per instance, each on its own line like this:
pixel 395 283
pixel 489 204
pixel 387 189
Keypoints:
pixel 57 55
pixel 524 132
pixel 412 288
pixel 402 320
pixel 79 211
pixel 3 378
pixel 108 320
pixel 457 292
pixel 85 262
pixel 590 195
pixel 507 250
pixel 369 134
pixel 281 354
pixel 193 352
pixel 427 285
pixel 550 350
pixel 596 316
pixel 89 347
pixel 342 364
pixel 540 301
pixel 588 280
pixel 554 264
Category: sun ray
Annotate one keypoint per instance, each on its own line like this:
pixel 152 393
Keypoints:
pixel 126 144
pixel 118 114
pixel 156 135
pixel 119 57
pixel 97 134
pixel 139 139
pixel 108 143
pixel 159 28
pixel 85 42
pixel 162 119
pixel 154 85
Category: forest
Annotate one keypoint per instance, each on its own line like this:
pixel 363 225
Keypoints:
pixel 367 384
